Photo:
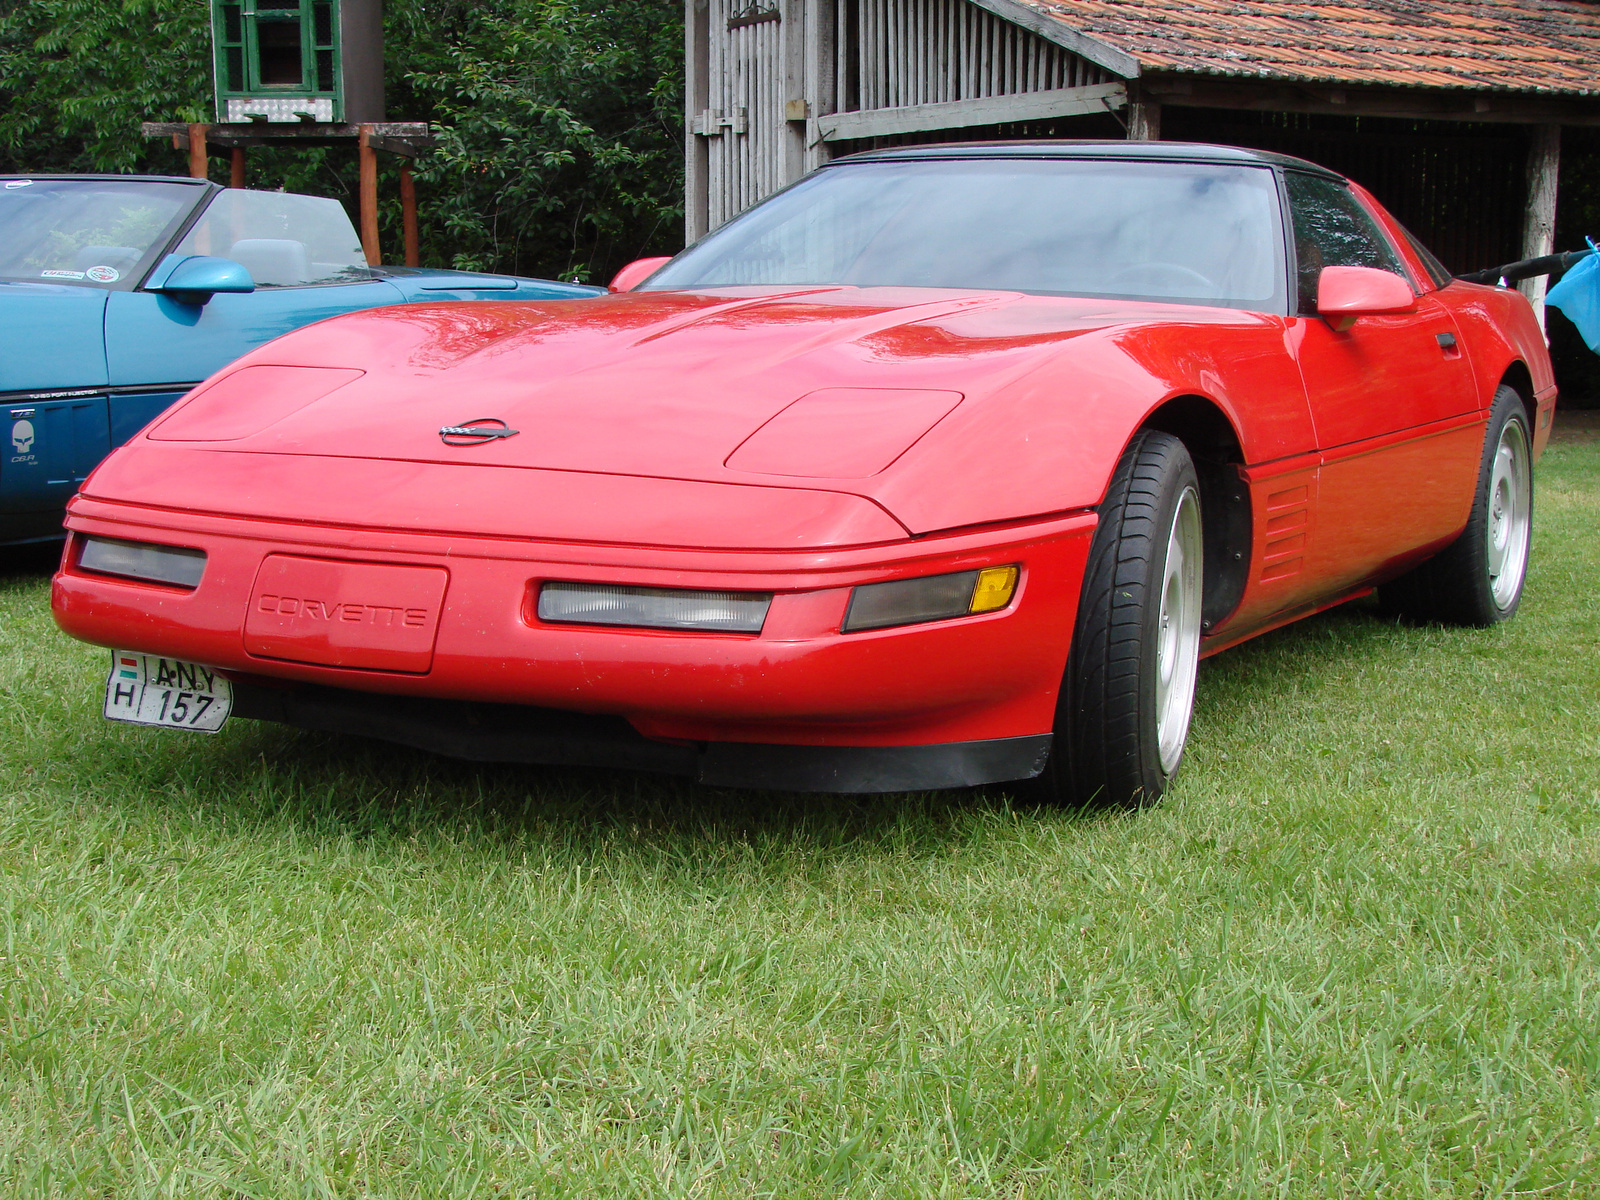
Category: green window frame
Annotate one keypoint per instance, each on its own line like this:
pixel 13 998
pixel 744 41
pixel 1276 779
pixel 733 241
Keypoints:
pixel 276 48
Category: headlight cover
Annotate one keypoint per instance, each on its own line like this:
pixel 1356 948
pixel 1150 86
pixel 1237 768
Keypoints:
pixel 247 401
pixel 930 598
pixel 653 608
pixel 174 565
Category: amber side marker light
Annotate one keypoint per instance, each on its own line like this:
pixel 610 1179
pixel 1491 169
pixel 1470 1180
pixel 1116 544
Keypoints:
pixel 931 598
pixel 177 566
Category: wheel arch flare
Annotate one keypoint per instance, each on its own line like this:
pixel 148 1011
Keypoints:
pixel 1214 446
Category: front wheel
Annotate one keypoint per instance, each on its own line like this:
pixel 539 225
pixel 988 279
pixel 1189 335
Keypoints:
pixel 1478 578
pixel 1128 694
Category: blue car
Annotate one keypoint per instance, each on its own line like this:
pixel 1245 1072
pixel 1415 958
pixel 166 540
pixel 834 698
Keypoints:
pixel 118 293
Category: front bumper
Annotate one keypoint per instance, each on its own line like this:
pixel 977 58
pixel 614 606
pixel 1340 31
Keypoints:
pixel 514 733
pixel 800 682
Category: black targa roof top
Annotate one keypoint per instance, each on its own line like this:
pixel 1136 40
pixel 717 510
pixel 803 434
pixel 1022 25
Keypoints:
pixel 54 177
pixel 1089 149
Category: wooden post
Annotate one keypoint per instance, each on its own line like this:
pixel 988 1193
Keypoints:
pixel 236 169
pixel 369 197
pixel 796 107
pixel 696 99
pixel 197 151
pixel 1144 121
pixel 1539 222
pixel 821 88
pixel 408 213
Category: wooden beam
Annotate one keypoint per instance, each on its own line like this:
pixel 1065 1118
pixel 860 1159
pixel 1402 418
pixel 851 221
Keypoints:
pixel 960 114
pixel 792 35
pixel 1118 62
pixel 696 99
pixel 369 198
pixel 821 86
pixel 408 214
pixel 1144 121
pixel 1539 219
pixel 398 137
pixel 197 152
pixel 1413 104
pixel 404 147
pixel 236 168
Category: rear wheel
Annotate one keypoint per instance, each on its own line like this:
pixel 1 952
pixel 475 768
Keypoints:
pixel 1478 578
pixel 1128 694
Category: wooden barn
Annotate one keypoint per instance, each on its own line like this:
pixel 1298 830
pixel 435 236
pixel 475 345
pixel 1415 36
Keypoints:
pixel 1450 111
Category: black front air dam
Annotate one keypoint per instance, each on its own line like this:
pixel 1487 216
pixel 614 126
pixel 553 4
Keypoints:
pixel 512 733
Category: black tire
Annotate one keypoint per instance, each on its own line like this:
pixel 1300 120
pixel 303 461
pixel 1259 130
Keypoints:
pixel 1470 582
pixel 1108 747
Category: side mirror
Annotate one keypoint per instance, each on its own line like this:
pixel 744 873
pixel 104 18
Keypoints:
pixel 1345 293
pixel 636 272
pixel 197 278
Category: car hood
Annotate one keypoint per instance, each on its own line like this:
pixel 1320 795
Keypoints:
pixel 430 283
pixel 827 388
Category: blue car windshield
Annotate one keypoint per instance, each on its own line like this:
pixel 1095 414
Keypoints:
pixel 98 233
pixel 1183 232
pixel 282 239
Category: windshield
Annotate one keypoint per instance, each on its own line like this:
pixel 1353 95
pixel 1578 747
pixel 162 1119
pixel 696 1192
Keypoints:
pixel 1191 233
pixel 282 239
pixel 90 232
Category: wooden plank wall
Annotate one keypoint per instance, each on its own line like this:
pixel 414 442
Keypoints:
pixel 896 53
pixel 771 64
pixel 747 159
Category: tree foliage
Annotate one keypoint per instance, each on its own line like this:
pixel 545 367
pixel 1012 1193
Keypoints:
pixel 559 121
pixel 77 77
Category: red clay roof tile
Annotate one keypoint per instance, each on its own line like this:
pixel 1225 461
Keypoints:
pixel 1506 45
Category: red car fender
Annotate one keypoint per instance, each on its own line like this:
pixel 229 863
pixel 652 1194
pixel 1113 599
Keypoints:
pixel 1060 429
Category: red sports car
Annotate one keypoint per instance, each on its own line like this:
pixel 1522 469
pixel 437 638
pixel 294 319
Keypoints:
pixel 943 467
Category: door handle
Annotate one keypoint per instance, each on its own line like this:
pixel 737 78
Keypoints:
pixel 1447 341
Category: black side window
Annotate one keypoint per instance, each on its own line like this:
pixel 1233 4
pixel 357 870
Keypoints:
pixel 1437 271
pixel 1332 230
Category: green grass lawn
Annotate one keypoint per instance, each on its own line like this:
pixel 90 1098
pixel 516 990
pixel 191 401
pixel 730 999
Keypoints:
pixel 1354 952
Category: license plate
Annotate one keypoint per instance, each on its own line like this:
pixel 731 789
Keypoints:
pixel 145 689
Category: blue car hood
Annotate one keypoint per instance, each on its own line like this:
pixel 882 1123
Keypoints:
pixel 432 283
pixel 52 337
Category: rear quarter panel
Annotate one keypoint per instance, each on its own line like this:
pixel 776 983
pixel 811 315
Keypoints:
pixel 1501 333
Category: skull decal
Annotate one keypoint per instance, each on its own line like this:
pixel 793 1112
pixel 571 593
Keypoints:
pixel 22 436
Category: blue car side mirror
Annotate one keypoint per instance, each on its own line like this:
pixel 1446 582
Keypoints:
pixel 196 279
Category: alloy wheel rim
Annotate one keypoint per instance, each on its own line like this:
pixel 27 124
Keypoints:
pixel 1178 631
pixel 1510 515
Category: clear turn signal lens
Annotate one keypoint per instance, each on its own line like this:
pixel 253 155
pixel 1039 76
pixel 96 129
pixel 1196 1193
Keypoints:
pixel 931 598
pixel 174 565
pixel 653 608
